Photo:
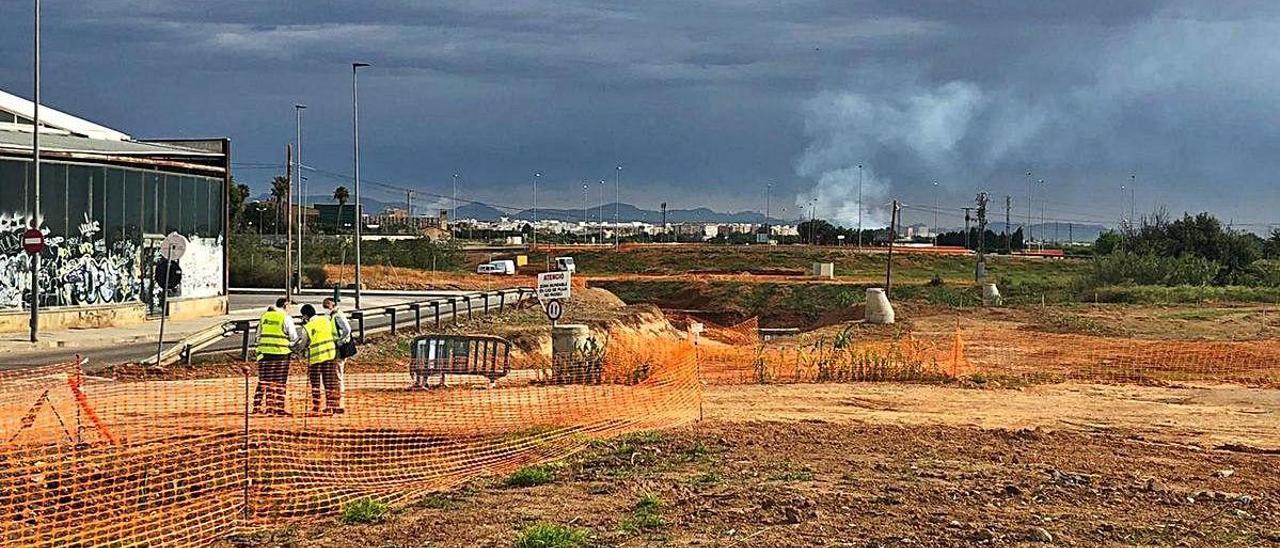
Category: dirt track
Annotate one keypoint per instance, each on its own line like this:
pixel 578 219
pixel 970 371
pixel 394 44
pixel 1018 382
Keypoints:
pixel 880 464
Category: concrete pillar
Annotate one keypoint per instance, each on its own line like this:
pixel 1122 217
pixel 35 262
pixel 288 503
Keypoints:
pixel 569 365
pixel 878 310
pixel 568 339
pixel 991 295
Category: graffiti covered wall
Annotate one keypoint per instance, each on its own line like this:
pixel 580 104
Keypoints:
pixel 84 269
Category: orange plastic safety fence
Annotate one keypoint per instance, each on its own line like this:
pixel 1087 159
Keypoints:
pixel 994 352
pixel 91 461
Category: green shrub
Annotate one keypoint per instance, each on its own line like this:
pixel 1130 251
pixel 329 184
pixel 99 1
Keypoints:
pixel 364 511
pixel 315 276
pixel 646 515
pixel 1149 269
pixel 530 476
pixel 550 535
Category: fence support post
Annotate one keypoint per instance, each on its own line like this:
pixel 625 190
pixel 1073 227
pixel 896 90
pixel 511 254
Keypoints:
pixel 391 311
pixel 243 327
pixel 468 308
pixel 453 302
pixel 417 316
pixel 435 307
pixel 502 301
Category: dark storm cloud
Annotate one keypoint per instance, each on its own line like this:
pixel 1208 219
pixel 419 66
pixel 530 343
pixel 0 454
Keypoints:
pixel 702 101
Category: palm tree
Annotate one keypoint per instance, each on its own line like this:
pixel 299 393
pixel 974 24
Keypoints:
pixel 279 194
pixel 341 195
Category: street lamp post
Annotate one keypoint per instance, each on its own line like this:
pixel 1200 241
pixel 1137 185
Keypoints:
pixel 536 176
pixel 1133 200
pixel 584 213
pixel 1028 234
pixel 1043 192
pixel 453 215
pixel 859 206
pixel 355 139
pixel 35 161
pixel 935 212
pixel 297 162
pixel 600 213
pixel 617 202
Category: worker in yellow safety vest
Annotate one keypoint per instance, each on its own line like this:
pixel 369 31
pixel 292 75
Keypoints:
pixel 322 359
pixel 276 337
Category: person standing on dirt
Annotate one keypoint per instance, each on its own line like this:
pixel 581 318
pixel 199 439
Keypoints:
pixel 345 345
pixel 322 359
pixel 276 337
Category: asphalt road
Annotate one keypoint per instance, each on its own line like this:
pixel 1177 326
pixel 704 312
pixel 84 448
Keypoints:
pixel 100 356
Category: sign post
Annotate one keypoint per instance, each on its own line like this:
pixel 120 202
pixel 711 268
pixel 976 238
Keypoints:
pixel 553 289
pixel 33 244
pixel 171 249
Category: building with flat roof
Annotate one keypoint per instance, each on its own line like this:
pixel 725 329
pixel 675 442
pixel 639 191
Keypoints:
pixel 107 200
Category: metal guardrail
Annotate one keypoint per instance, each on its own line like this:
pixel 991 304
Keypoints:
pixel 502 298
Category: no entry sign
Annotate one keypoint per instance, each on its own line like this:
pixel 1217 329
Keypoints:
pixel 33 241
pixel 554 310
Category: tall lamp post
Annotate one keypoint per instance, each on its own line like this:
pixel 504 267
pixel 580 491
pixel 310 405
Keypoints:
pixel 617 200
pixel 859 206
pixel 355 138
pixel 297 163
pixel 537 175
pixel 35 160
pixel 1027 237
pixel 453 215
pixel 584 213
pixel 600 213
pixel 1133 200
pixel 1042 194
pixel 935 212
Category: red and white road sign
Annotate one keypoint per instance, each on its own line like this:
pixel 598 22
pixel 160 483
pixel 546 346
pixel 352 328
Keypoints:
pixel 33 241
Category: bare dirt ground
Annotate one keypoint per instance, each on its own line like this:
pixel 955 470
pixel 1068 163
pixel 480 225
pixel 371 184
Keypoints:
pixel 890 464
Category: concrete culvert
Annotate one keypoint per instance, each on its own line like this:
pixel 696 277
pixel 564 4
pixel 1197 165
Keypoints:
pixel 878 309
pixel 991 295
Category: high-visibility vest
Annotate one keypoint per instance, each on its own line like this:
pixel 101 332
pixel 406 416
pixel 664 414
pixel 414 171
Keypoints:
pixel 320 332
pixel 272 340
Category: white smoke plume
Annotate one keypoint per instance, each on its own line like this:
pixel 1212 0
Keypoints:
pixel 1178 98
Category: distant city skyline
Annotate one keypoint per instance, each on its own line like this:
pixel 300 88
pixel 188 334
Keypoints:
pixel 703 104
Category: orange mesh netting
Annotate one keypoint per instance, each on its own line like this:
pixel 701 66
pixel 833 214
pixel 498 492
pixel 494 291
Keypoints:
pixel 993 351
pixel 92 461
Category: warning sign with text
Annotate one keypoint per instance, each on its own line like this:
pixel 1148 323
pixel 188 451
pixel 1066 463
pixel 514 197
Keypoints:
pixel 553 285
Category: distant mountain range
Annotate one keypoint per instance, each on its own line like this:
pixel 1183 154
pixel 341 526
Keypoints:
pixel 626 212
pixel 1076 232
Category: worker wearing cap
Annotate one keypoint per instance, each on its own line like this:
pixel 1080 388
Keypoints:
pixel 276 337
pixel 322 359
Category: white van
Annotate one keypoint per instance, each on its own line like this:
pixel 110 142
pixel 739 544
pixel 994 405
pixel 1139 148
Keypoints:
pixel 565 264
pixel 504 267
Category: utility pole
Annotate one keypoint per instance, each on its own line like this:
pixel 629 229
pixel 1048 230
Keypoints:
pixel 1008 229
pixel 664 220
pixel 408 203
pixel 1070 237
pixel 966 226
pixel 584 213
pixel 600 213
pixel 301 192
pixel 288 215
pixel 453 215
pixel 35 159
pixel 980 270
pixel 888 264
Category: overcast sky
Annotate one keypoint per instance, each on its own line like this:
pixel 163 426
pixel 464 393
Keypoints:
pixel 703 103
